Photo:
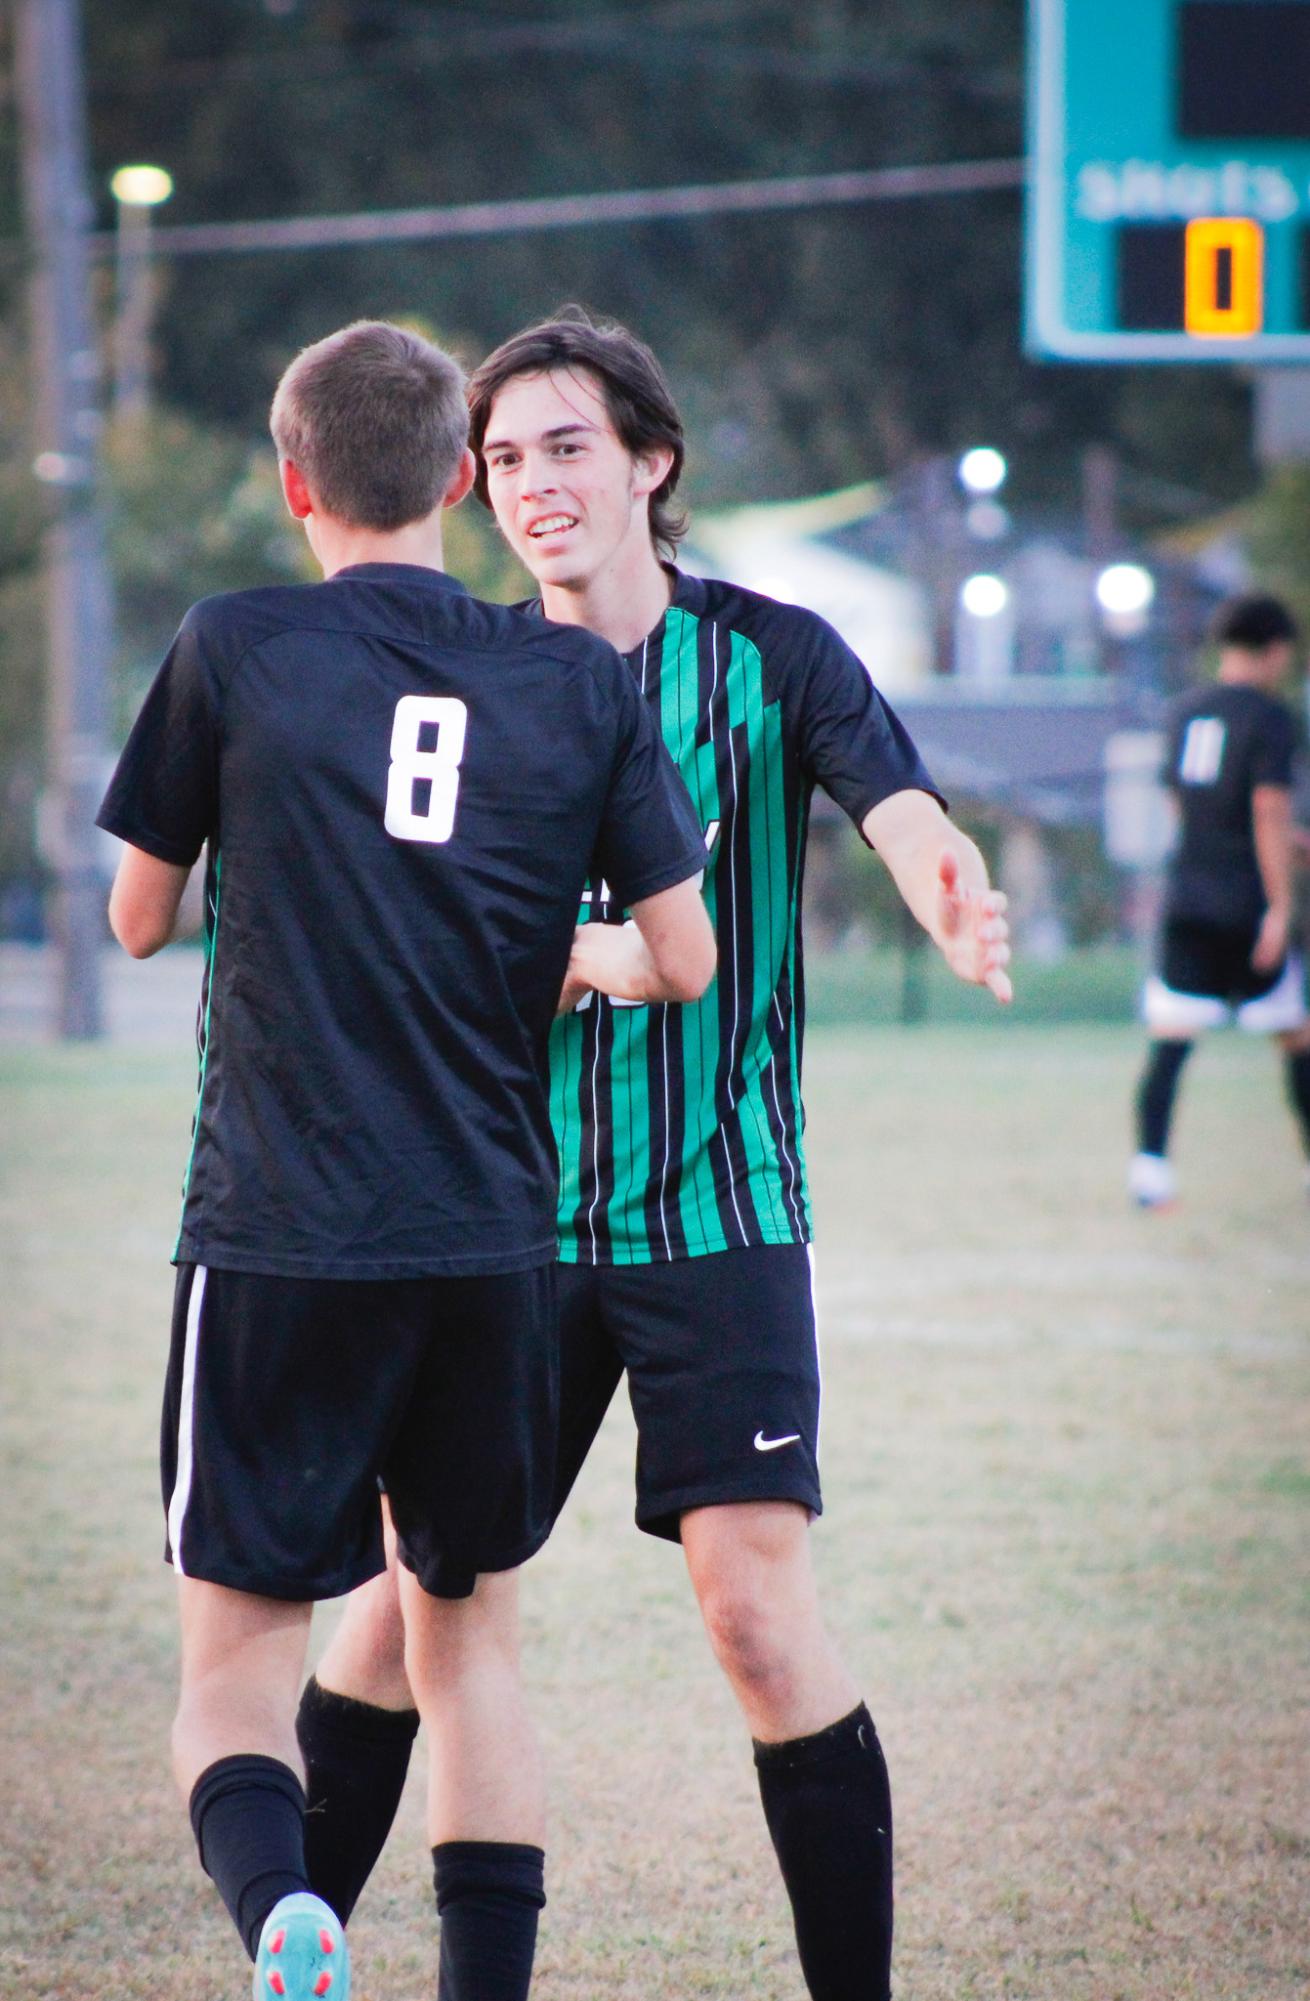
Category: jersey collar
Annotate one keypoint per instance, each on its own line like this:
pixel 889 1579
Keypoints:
pixel 689 595
pixel 401 573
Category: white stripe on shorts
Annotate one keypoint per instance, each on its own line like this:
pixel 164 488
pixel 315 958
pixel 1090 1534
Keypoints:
pixel 177 1506
pixel 818 1353
pixel 1282 1009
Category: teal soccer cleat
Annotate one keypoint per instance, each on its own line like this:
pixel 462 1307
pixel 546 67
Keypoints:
pixel 302 1952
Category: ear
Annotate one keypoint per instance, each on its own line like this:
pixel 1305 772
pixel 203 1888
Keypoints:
pixel 462 481
pixel 294 490
pixel 650 468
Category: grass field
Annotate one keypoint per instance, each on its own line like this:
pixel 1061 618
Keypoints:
pixel 1068 1477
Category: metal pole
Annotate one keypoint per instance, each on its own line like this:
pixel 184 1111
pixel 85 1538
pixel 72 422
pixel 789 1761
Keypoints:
pixel 132 311
pixel 66 371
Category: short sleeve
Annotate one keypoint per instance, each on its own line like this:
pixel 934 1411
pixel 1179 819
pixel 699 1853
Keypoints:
pixel 163 796
pixel 650 837
pixel 851 741
pixel 1273 751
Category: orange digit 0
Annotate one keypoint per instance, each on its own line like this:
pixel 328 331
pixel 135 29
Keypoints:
pixel 1238 242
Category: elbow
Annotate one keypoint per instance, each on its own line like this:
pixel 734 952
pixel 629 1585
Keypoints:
pixel 688 980
pixel 139 938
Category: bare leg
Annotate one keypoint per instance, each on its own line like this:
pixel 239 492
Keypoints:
pixel 365 1658
pixel 486 1811
pixel 462 1656
pixel 751 1572
pixel 237 1763
pixel 242 1659
pixel 822 1776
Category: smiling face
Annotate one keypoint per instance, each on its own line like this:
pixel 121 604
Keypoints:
pixel 568 496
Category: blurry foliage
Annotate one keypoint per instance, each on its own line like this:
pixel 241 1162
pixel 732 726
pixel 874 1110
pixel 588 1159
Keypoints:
pixel 1276 534
pixel 810 348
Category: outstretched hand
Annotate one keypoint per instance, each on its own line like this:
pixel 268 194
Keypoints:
pixel 972 930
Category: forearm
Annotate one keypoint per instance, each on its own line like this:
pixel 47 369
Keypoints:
pixel 615 959
pixel 1272 827
pixel 143 903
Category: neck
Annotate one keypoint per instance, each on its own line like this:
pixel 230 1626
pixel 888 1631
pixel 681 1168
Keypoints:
pixel 621 603
pixel 337 544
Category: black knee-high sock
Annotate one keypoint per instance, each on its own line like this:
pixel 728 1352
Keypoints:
pixel 488 1897
pixel 1298 1091
pixel 248 1817
pixel 1156 1094
pixel 356 1757
pixel 828 1805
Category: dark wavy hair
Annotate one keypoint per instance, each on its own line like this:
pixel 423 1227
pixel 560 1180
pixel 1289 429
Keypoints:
pixel 637 397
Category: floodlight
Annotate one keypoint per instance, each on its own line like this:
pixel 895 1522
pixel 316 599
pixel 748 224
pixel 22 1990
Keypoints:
pixel 982 470
pixel 984 596
pixel 141 186
pixel 1125 590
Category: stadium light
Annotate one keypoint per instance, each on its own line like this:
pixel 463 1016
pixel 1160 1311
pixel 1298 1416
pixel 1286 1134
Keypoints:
pixel 141 186
pixel 139 190
pixel 984 596
pixel 982 470
pixel 1125 590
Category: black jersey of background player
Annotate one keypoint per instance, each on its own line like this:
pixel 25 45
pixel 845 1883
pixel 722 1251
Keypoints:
pixel 1223 741
pixel 403 790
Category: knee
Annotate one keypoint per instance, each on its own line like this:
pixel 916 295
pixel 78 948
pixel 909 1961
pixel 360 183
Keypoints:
pixel 749 1643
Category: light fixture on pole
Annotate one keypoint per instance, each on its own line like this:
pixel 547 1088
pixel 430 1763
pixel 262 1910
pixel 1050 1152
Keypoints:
pixel 1125 592
pixel 138 191
pixel 982 471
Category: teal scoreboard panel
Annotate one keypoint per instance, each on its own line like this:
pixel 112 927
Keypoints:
pixel 1168 211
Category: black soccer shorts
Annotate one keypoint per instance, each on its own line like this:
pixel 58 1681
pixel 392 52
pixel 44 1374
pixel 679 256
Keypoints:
pixel 723 1374
pixel 288 1399
pixel 1213 960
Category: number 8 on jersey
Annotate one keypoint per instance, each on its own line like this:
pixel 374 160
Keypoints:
pixel 436 766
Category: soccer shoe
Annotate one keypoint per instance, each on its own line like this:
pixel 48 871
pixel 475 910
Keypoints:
pixel 1151 1182
pixel 302 1952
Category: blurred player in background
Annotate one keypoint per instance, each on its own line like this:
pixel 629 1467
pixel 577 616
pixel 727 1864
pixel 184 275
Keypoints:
pixel 403 792
pixel 1226 946
pixel 684 1216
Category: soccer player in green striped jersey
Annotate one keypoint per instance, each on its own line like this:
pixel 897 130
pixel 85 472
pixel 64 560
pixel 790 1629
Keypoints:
pixel 684 1213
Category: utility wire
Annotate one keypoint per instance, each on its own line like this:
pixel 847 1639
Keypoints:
pixel 512 218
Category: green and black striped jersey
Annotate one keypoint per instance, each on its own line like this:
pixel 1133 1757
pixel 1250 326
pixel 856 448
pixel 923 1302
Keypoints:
pixel 679 1128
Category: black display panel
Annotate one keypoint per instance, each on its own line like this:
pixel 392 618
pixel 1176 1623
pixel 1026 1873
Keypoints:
pixel 1244 69
pixel 1150 277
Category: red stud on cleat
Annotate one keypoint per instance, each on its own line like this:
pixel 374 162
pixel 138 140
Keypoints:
pixel 277 1941
pixel 323 1982
pixel 276 1982
pixel 327 1942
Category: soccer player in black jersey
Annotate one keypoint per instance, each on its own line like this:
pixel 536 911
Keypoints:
pixel 403 792
pixel 1226 946
pixel 684 1216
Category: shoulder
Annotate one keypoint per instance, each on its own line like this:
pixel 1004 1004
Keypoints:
pixel 574 647
pixel 227 624
pixel 794 643
pixel 768 621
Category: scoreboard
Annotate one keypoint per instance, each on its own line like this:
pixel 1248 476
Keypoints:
pixel 1168 207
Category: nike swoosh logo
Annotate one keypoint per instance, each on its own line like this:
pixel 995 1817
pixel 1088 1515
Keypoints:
pixel 763 1444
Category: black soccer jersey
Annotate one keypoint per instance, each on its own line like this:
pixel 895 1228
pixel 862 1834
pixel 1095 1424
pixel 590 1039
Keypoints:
pixel 679 1128
pixel 1223 741
pixel 403 790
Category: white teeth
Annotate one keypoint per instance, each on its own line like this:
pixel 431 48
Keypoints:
pixel 552 524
